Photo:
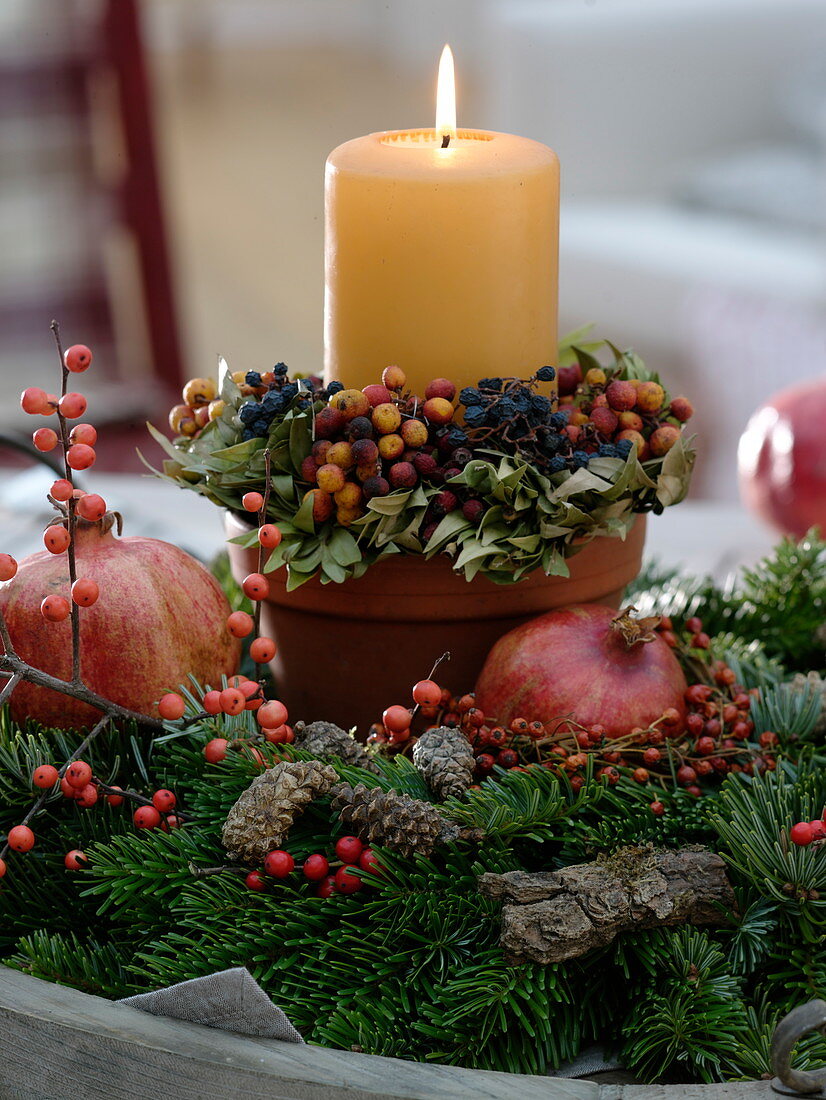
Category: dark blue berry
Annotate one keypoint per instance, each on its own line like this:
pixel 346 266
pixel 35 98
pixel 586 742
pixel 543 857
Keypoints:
pixel 335 387
pixel 624 447
pixel 492 384
pixel 608 450
pixel 580 459
pixel 557 464
pixel 253 378
pixel 558 420
pixel 540 405
pixel 280 370
pixel 470 397
pixel 248 434
pixel 475 416
pixel 457 437
pixel 248 412
pixel 546 374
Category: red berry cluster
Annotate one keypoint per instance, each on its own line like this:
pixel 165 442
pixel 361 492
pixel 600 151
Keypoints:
pixel 606 409
pixel 78 784
pixel 804 833
pixel 351 858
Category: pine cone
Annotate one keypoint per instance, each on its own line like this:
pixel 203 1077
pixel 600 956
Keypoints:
pixel 811 681
pixel 325 739
pixel 392 820
pixel 261 818
pixel 444 758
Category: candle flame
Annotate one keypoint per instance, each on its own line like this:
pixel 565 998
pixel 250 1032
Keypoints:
pixel 446 97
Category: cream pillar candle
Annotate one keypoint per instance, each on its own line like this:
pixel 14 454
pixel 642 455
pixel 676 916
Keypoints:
pixel 441 256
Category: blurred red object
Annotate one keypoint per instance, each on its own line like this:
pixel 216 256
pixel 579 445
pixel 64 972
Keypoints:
pixel 782 459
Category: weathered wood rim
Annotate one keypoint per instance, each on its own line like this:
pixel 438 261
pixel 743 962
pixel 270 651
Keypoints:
pixel 59 1044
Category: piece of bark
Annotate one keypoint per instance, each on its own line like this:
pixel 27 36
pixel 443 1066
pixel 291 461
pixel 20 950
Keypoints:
pixel 556 915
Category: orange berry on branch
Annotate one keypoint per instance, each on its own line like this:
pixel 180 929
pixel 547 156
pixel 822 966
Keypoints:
pixel 45 776
pixel 232 701
pixel 55 609
pixel 77 358
pixel 34 401
pixel 80 456
pixel 62 490
pixel 79 774
pixel 56 538
pixel 87 797
pixel 256 586
pixel 427 693
pixel 396 719
pixel 251 690
pixel 281 735
pixel 252 502
pixel 164 800
pixel 146 817
pixel 171 706
pixel 115 799
pixel 91 506
pixel 272 714
pixel 211 702
pixel 84 433
pixel 72 405
pixel 75 860
pixel 269 536
pixel 216 750
pixel 45 439
pixel 85 592
pixel 8 567
pixel 240 624
pixel 262 650
pixel 20 838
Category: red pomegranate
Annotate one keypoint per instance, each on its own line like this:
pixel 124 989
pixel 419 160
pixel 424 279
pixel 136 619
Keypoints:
pixel 160 616
pixel 587 663
pixel 782 459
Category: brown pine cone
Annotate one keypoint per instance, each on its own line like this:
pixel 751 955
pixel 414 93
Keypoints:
pixel 444 758
pixel 392 820
pixel 261 818
pixel 326 740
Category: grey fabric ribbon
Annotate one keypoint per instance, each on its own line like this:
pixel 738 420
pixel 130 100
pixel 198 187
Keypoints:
pixel 229 999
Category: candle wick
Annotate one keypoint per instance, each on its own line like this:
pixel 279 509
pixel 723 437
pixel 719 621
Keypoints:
pixel 445 140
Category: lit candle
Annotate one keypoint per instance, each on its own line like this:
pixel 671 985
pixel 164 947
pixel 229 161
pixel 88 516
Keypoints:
pixel 441 253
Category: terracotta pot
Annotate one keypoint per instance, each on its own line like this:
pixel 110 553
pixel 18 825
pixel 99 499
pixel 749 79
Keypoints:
pixel 347 651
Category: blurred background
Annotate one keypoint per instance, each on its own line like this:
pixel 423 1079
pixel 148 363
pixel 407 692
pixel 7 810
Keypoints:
pixel 161 182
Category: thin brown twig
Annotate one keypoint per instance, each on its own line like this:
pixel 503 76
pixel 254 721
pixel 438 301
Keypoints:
pixel 70 510
pixel 262 519
pixel 5 637
pixel 9 687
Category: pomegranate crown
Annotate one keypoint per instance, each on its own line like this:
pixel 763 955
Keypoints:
pixel 633 630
